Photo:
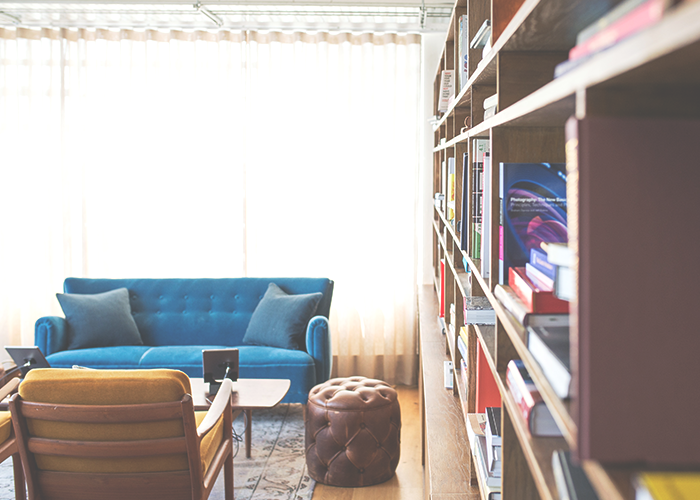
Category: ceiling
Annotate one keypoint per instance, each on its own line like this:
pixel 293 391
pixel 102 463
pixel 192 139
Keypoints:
pixel 346 15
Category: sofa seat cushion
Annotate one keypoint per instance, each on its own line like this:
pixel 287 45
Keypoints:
pixel 272 362
pixel 112 358
pixel 187 358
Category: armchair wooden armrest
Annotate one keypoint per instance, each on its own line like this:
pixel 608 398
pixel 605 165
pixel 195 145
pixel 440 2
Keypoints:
pixel 8 388
pixel 222 402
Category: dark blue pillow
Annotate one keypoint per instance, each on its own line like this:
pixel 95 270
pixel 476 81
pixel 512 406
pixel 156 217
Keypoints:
pixel 280 320
pixel 100 319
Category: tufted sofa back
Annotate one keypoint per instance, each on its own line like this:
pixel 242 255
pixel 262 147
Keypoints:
pixel 198 311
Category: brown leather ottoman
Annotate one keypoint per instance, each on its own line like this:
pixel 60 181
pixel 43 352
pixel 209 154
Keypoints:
pixel 353 432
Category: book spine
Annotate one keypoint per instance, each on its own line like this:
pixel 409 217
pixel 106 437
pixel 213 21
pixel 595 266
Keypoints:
pixel 605 21
pixel 538 259
pixel 538 278
pixel 529 395
pixel 643 16
pixel 535 300
pixel 462 346
pixel 485 253
pixel 511 302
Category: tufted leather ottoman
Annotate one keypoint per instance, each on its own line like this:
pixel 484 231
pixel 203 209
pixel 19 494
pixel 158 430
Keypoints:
pixel 353 432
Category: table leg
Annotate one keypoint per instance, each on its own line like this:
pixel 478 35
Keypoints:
pixel 248 432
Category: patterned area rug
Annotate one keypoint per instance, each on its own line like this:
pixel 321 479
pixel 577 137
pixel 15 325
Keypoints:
pixel 276 470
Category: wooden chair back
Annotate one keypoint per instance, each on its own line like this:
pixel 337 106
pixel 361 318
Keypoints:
pixel 116 451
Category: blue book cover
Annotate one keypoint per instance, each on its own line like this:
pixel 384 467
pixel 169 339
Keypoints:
pixel 533 206
pixel 538 258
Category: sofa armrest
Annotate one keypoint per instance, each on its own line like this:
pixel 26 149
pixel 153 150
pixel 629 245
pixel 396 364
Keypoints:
pixel 51 334
pixel 318 345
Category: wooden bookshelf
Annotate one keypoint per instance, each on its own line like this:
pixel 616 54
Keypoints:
pixel 654 73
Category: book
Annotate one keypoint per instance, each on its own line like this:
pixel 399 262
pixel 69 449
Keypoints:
pixel 559 254
pixel 476 431
pixel 571 480
pixel 512 303
pixel 462 346
pixel 489 112
pixel 447 89
pixel 487 393
pixel 539 279
pixel 486 218
pixel 493 425
pixel 642 16
pixel 667 486
pixel 478 311
pixel 479 147
pixel 533 209
pixel 463 335
pixel 539 260
pixel 482 35
pixel 451 190
pixel 603 22
pixel 489 478
pixel 549 346
pixel 539 419
pixel 442 289
pixel 449 375
pixel 493 439
pixel 463 47
pixel 536 299
pixel 565 283
pixel 465 227
pixel 464 375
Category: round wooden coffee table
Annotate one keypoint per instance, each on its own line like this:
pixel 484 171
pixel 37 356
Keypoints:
pixel 248 394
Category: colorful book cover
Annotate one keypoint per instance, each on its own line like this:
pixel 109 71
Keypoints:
pixel 533 207
pixel 487 393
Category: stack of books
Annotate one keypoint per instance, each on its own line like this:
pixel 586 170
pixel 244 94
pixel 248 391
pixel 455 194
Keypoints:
pixel 493 440
pixel 478 311
pixel 560 258
pixel 550 348
pixel 489 484
pixel 540 421
pixel 626 19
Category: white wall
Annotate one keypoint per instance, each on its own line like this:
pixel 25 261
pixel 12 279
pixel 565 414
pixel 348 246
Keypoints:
pixel 432 44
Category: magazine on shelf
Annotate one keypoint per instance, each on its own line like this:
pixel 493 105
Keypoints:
pixel 533 208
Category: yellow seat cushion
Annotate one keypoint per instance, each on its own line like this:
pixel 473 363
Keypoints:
pixel 111 387
pixel 5 426
pixel 210 443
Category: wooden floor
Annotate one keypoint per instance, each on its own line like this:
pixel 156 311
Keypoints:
pixel 407 484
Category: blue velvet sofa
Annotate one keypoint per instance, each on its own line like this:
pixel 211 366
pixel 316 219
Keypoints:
pixel 178 318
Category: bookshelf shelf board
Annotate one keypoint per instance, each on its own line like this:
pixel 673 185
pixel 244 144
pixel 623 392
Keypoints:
pixel 446 455
pixel 656 56
pixel 487 336
pixel 462 100
pixel 537 450
pixel 560 409
pixel 610 484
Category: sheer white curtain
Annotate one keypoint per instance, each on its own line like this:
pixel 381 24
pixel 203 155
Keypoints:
pixel 151 154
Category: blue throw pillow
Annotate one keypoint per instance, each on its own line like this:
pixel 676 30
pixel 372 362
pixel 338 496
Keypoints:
pixel 100 319
pixel 280 319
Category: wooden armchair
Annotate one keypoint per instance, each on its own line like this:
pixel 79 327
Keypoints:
pixel 120 434
pixel 8 443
